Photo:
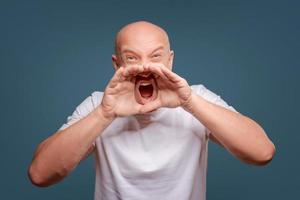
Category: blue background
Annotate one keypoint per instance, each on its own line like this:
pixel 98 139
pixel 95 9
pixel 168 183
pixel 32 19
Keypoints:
pixel 54 54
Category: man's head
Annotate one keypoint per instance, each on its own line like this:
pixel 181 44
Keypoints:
pixel 142 43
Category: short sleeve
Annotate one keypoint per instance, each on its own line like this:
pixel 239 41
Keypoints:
pixel 83 109
pixel 210 96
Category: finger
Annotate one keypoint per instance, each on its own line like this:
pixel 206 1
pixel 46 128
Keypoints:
pixel 146 67
pixel 139 70
pixel 157 71
pixel 171 75
pixel 116 78
pixel 128 70
pixel 133 70
pixel 151 106
pixel 150 67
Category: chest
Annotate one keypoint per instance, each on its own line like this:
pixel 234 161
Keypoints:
pixel 158 147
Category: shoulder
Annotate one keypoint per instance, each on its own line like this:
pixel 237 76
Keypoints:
pixel 211 96
pixel 198 88
pixel 204 92
pixel 84 108
pixel 90 102
pixel 96 96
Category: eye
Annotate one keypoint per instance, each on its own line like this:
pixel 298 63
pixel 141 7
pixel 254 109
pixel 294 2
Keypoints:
pixel 156 56
pixel 131 58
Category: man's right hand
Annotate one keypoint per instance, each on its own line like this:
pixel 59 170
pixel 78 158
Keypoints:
pixel 118 99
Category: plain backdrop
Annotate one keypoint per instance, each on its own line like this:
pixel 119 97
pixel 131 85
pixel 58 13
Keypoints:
pixel 53 54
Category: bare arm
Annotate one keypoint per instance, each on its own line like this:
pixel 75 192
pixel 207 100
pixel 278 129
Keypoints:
pixel 59 154
pixel 240 135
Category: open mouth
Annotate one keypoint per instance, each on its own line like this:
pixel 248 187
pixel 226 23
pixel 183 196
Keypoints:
pixel 146 88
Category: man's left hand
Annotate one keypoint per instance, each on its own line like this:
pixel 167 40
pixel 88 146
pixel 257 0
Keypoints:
pixel 173 90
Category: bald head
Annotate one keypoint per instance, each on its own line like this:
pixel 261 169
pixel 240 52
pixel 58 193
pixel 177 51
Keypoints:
pixel 140 31
pixel 142 43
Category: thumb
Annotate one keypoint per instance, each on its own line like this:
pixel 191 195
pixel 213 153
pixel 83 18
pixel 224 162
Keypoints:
pixel 151 106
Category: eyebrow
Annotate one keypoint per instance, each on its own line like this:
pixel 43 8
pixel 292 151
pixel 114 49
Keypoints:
pixel 158 48
pixel 128 51
pixel 131 51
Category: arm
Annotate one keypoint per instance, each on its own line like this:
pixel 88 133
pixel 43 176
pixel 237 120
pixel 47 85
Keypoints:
pixel 240 135
pixel 58 155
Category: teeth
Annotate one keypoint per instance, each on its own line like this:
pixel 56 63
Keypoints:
pixel 145 75
pixel 145 84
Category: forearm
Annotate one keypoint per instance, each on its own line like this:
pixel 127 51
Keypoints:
pixel 57 156
pixel 240 135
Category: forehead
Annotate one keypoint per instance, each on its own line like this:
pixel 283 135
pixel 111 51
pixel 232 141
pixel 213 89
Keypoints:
pixel 142 41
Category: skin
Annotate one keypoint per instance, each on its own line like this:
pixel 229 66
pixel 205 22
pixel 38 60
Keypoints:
pixel 141 49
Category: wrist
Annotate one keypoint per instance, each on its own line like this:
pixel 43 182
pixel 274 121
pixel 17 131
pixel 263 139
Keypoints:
pixel 104 116
pixel 189 104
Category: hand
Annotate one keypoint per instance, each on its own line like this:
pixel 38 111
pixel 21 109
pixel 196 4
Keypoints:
pixel 173 90
pixel 118 99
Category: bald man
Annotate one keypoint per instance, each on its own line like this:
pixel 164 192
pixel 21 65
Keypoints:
pixel 149 129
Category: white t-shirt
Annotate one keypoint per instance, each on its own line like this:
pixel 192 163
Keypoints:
pixel 162 155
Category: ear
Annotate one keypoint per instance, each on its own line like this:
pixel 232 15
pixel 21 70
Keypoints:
pixel 171 57
pixel 115 62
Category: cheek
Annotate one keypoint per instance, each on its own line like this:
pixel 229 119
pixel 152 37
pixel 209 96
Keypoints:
pixel 121 62
pixel 168 63
pixel 165 61
pixel 129 63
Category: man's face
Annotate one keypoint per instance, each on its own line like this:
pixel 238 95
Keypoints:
pixel 143 46
pixel 141 49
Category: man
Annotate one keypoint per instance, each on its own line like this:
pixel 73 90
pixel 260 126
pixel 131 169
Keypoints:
pixel 149 130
